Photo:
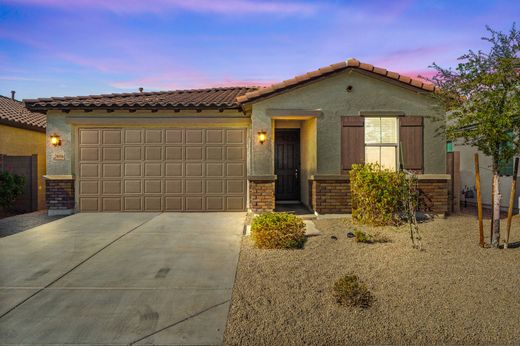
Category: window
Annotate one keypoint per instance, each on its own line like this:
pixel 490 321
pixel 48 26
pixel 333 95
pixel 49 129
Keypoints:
pixel 449 146
pixel 381 142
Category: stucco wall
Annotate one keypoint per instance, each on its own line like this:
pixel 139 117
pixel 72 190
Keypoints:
pixel 21 142
pixel 467 177
pixel 329 95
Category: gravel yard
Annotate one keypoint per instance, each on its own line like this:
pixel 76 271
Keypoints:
pixel 453 292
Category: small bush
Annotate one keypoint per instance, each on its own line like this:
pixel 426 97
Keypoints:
pixel 377 194
pixel 362 237
pixel 349 291
pixel 11 187
pixel 278 231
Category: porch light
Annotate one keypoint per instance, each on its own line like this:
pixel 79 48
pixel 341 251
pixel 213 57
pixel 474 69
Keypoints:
pixel 55 140
pixel 262 136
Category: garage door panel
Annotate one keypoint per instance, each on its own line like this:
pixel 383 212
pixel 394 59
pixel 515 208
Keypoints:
pixel 194 153
pixel 89 154
pixel 214 153
pixel 89 137
pixel 153 136
pixel 111 203
pixel 235 136
pixel 152 169
pixel 133 203
pixel 153 186
pixel 89 170
pixel 235 187
pixel 235 153
pixel 89 203
pixel 215 136
pixel 133 154
pixel 112 154
pixel 235 169
pixel 194 136
pixel 89 187
pixel 112 170
pixel 215 170
pixel 152 203
pixel 174 154
pixel 194 170
pixel 112 137
pixel 174 136
pixel 153 154
pixel 112 187
pixel 215 187
pixel 172 169
pixel 194 203
pixel 194 186
pixel 215 203
pixel 133 186
pixel 133 169
pixel 235 203
pixel 173 186
pixel 173 203
pixel 133 136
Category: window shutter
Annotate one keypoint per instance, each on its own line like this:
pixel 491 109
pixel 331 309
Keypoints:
pixel 411 143
pixel 352 142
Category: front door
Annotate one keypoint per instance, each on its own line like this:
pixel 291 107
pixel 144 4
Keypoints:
pixel 287 164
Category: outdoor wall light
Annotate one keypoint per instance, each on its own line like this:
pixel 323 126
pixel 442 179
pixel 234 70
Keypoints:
pixel 262 136
pixel 55 140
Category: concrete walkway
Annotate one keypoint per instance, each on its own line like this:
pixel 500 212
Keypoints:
pixel 19 223
pixel 133 278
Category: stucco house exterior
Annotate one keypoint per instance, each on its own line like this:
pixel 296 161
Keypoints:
pixel 238 148
pixel 22 150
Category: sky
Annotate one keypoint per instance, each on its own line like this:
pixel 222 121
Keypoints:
pixel 82 47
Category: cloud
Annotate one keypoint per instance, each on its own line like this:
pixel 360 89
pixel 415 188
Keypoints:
pixel 227 7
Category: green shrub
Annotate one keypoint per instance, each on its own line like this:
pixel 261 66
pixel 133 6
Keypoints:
pixel 377 194
pixel 349 291
pixel 362 237
pixel 11 187
pixel 278 231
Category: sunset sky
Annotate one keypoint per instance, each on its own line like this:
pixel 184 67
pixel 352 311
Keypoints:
pixel 78 47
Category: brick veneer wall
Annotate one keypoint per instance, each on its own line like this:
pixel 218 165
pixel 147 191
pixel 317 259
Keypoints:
pixel 331 196
pixel 261 195
pixel 59 194
pixel 433 195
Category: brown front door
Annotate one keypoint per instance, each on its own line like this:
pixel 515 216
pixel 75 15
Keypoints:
pixel 287 164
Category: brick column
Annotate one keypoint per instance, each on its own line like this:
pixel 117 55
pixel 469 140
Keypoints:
pixel 261 194
pixel 433 193
pixel 59 195
pixel 330 194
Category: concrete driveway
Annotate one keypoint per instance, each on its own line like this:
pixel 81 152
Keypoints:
pixel 110 278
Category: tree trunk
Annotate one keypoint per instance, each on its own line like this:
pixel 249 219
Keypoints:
pixel 495 235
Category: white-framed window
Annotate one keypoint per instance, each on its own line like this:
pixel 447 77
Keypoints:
pixel 381 141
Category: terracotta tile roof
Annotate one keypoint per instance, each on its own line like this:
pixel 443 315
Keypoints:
pixel 14 113
pixel 324 71
pixel 213 98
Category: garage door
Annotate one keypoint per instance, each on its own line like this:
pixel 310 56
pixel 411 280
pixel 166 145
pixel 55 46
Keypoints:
pixel 171 169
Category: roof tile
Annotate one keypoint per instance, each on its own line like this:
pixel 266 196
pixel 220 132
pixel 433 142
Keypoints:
pixel 12 111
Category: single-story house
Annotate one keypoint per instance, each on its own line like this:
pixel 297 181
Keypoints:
pixel 22 150
pixel 240 148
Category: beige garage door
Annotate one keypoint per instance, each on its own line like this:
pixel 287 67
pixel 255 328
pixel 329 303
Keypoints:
pixel 171 169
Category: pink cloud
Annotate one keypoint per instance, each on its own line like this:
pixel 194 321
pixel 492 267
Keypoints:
pixel 229 7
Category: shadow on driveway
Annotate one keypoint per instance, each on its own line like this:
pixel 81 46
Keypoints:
pixel 19 223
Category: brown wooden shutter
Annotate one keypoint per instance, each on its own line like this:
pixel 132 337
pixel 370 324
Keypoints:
pixel 352 142
pixel 411 143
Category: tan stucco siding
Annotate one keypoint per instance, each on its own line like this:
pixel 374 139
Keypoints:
pixel 21 142
pixel 329 96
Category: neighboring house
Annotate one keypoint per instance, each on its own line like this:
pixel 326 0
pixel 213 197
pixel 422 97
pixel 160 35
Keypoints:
pixel 238 148
pixel 22 150
pixel 467 173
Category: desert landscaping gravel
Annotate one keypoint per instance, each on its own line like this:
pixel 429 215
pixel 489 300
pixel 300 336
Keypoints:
pixel 452 292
